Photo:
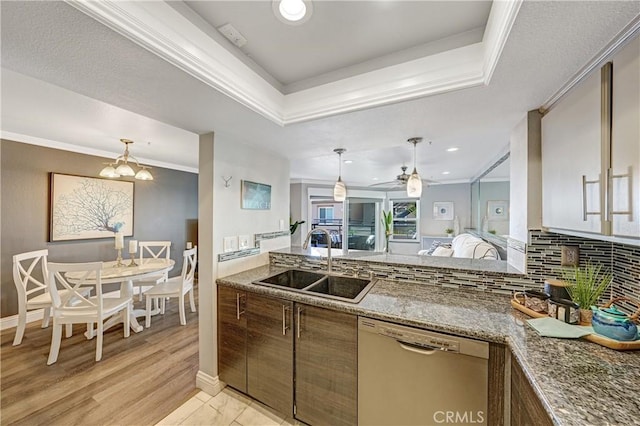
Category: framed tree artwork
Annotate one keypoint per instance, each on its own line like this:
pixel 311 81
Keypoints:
pixel 86 208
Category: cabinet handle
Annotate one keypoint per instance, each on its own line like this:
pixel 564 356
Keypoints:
pixel 610 178
pixel 238 311
pixel 285 327
pixel 298 321
pixel 586 182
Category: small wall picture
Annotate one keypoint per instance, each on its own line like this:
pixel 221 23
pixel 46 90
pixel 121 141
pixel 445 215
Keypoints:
pixel 229 244
pixel 443 210
pixel 497 210
pixel 256 196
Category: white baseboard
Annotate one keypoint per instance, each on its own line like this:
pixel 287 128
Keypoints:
pixel 209 384
pixel 12 321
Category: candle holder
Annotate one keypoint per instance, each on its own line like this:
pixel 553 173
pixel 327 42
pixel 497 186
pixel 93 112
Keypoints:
pixel 119 259
pixel 133 262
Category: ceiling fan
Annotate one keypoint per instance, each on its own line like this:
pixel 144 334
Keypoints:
pixel 401 180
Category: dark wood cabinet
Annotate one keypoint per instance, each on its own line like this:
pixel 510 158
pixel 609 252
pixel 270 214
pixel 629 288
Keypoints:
pixel 526 408
pixel 270 352
pixel 262 341
pixel 232 337
pixel 326 364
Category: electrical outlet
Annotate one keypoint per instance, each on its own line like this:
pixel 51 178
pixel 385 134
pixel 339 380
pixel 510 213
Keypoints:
pixel 570 256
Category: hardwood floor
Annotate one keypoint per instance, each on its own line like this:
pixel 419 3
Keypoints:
pixel 139 381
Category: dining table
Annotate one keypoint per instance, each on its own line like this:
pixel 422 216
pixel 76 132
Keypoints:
pixel 125 274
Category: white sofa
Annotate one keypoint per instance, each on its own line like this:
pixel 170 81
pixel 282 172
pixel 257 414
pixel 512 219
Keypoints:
pixel 466 246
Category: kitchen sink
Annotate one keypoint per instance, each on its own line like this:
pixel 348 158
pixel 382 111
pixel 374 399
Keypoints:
pixel 347 289
pixel 293 278
pixel 340 287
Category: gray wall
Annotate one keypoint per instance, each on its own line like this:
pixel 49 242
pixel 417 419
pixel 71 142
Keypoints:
pixel 164 209
pixel 458 193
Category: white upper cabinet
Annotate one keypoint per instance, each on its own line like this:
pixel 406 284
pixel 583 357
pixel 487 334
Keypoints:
pixel 571 160
pixel 591 153
pixel 624 176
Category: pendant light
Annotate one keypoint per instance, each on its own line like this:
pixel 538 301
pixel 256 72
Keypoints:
pixel 339 190
pixel 122 167
pixel 414 184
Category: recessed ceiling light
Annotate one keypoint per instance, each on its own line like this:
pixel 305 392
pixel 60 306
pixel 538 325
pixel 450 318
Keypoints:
pixel 375 178
pixel 445 173
pixel 292 12
pixel 348 161
pixel 452 149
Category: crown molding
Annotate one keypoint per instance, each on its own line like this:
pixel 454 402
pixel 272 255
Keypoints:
pixel 619 41
pixel 159 28
pixel 63 146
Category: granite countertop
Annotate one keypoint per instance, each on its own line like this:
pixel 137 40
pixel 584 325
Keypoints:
pixel 458 263
pixel 578 382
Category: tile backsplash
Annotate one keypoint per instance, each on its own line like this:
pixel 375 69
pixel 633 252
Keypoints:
pixel 544 253
pixel 543 261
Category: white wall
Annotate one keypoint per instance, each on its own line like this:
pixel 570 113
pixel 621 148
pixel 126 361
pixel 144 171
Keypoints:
pixel 220 215
pixel 526 183
pixel 526 177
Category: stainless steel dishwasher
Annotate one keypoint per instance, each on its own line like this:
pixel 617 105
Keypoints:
pixel 409 376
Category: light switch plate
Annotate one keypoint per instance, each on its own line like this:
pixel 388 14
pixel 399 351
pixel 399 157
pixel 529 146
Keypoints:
pixel 570 256
pixel 245 242
pixel 230 244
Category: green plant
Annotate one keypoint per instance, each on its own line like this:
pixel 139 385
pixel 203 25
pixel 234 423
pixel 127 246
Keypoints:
pixel 587 284
pixel 387 221
pixel 492 231
pixel 293 226
pixel 448 231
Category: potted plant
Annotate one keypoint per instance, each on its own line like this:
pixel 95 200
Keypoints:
pixel 387 221
pixel 449 232
pixel 586 285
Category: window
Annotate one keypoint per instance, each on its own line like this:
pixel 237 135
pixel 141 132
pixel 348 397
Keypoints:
pixel 406 226
pixel 325 213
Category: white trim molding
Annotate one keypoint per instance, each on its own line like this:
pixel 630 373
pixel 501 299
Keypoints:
pixel 12 321
pixel 161 29
pixel 209 384
pixel 63 146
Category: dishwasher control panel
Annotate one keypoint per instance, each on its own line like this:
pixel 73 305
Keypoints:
pixel 423 338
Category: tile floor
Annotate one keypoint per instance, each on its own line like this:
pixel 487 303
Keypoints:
pixel 228 408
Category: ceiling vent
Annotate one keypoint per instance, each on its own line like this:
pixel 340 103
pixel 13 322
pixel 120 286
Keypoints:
pixel 232 35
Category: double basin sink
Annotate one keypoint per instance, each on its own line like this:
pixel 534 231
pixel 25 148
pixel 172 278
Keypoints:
pixel 346 289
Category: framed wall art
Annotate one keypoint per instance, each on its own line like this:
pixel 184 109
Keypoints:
pixel 443 210
pixel 84 208
pixel 256 196
pixel 497 210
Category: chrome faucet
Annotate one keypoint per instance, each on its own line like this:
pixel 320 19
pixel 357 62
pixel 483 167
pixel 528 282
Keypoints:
pixel 306 244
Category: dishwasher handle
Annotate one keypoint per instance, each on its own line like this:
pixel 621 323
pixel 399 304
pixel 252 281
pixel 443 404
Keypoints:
pixel 430 350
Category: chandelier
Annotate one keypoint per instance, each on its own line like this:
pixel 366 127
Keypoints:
pixel 121 166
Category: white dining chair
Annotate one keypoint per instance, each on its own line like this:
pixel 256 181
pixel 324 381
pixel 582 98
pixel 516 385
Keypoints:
pixel 72 306
pixel 176 287
pixel 30 278
pixel 150 250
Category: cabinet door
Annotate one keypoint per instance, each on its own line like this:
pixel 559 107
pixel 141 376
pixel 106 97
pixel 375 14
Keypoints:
pixel 571 160
pixel 526 408
pixel 326 366
pixel 232 337
pixel 270 351
pixel 624 177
